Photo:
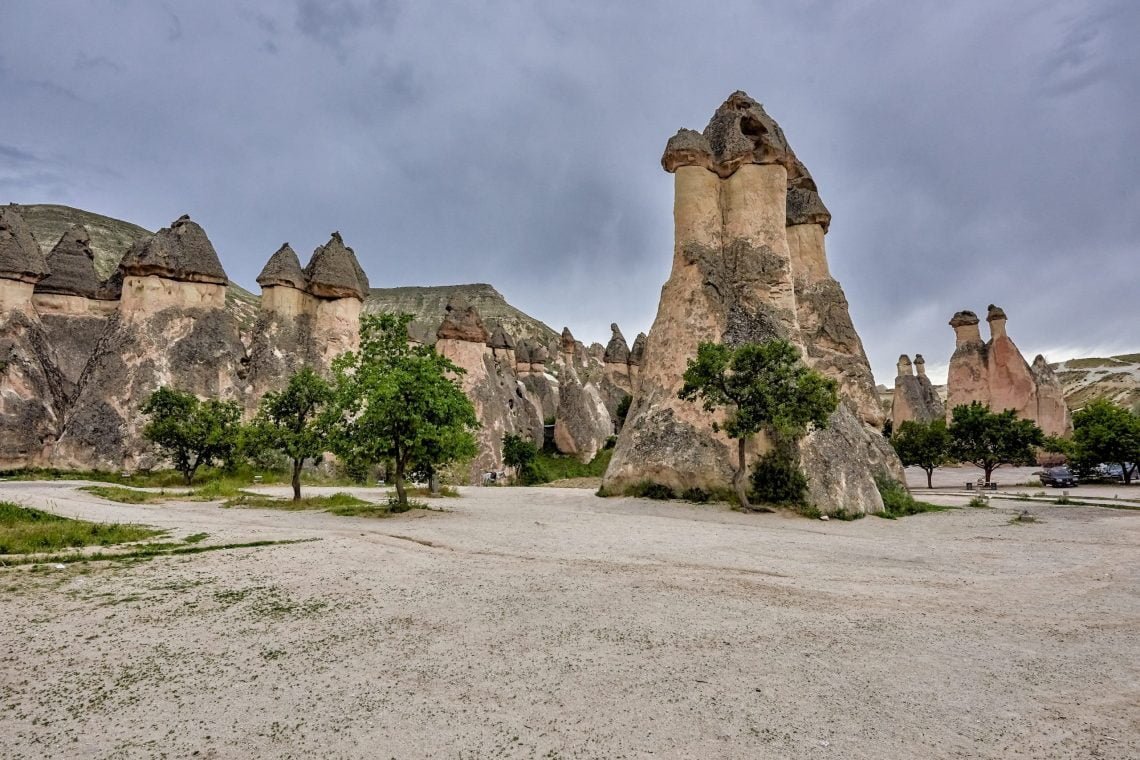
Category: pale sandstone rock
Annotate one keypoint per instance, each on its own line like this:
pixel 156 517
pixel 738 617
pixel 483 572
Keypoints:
pixel 915 397
pixel 733 281
pixel 1053 416
pixel 166 332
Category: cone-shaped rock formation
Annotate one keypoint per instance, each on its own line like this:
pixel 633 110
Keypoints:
pixel 735 280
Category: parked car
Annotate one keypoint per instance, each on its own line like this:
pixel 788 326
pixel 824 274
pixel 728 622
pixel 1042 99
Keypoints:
pixel 1115 471
pixel 1058 477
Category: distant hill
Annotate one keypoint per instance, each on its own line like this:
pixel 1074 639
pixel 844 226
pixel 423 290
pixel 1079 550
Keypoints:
pixel 1116 378
pixel 110 239
pixel 427 306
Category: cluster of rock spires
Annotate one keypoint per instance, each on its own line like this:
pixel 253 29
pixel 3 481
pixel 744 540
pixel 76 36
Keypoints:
pixel 992 372
pixel 996 374
pixel 749 264
pixel 80 355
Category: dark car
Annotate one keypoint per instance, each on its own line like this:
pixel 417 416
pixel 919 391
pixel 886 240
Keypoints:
pixel 1058 477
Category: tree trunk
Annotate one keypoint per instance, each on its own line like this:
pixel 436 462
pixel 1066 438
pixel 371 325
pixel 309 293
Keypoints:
pixel 297 463
pixel 401 494
pixel 989 468
pixel 930 477
pixel 1126 472
pixel 740 481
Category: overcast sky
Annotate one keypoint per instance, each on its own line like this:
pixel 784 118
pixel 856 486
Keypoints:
pixel 969 152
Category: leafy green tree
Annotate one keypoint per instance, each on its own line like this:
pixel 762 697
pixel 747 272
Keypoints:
pixel 398 402
pixel 923 444
pixel 989 440
pixel 289 421
pixel 192 432
pixel 521 454
pixel 1106 432
pixel 762 387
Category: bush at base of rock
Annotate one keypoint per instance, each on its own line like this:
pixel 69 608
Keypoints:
pixel 647 489
pixel 898 502
pixel 777 480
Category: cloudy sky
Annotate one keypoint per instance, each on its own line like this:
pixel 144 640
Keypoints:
pixel 970 152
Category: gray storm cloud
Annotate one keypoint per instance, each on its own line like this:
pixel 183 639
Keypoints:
pixel 970 152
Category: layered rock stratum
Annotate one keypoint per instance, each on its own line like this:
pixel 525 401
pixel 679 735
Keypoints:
pixel 737 272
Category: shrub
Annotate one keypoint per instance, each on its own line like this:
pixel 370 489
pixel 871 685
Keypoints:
pixel 647 489
pixel 697 495
pixel 776 479
pixel 897 500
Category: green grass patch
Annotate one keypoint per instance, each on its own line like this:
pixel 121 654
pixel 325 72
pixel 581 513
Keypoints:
pixel 124 495
pixel 343 504
pixel 197 538
pixel 24 530
pixel 549 467
pixel 898 501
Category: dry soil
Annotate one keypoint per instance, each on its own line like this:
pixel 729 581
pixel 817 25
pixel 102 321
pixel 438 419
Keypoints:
pixel 549 623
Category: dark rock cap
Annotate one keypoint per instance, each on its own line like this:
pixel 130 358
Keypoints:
pixel 500 338
pixel 804 206
pixel 462 322
pixel 687 148
pixel 20 255
pixel 741 132
pixel 963 318
pixel 179 252
pixel 539 354
pixel 637 353
pixel 111 289
pixel 333 271
pixel 994 312
pixel 283 268
pixel 617 350
pixel 522 352
pixel 72 264
pixel 918 359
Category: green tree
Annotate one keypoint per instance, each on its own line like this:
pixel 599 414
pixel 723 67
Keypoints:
pixel 192 432
pixel 923 444
pixel 762 387
pixel 398 402
pixel 521 454
pixel 289 421
pixel 989 440
pixel 1106 432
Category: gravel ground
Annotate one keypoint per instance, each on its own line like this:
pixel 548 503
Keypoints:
pixel 548 623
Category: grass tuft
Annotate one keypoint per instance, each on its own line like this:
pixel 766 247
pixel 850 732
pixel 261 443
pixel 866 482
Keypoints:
pixel 124 495
pixel 898 501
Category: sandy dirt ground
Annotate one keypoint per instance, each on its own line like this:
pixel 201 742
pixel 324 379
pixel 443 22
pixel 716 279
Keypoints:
pixel 549 623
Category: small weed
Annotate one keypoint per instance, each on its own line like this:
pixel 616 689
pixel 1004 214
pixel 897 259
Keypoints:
pixel 978 502
pixel 196 538
pixel 1063 500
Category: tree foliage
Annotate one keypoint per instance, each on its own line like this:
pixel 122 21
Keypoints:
pixel 192 432
pixel 762 387
pixel 923 444
pixel 521 454
pixel 1105 432
pixel 400 403
pixel 990 439
pixel 289 421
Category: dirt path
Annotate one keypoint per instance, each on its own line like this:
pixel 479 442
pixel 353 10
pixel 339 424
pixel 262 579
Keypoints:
pixel 549 623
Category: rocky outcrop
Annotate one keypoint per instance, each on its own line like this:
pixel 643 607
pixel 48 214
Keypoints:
pixel 616 361
pixel 636 354
pixel 831 344
pixel 915 397
pixel 735 280
pixel 1053 416
pixel 171 329
pixel 33 392
pixel 308 316
pixel 502 403
pixel 996 374
pixel 73 305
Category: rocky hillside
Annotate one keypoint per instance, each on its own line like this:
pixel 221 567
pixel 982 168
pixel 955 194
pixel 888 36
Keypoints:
pixel 428 306
pixel 1116 378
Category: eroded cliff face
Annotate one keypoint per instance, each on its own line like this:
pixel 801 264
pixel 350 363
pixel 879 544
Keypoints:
pixel 166 331
pixel 502 402
pixel 735 280
pixel 996 374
